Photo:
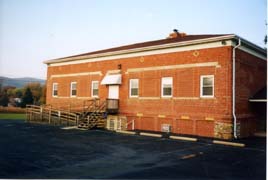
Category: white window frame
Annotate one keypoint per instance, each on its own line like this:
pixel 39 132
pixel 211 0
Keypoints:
pixel 72 89
pixel 201 86
pixel 163 82
pixel 53 89
pixel 92 86
pixel 130 87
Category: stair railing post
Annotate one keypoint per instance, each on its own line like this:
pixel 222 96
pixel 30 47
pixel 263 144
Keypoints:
pixel 27 116
pixel 120 123
pixel 41 113
pixel 30 114
pixel 59 114
pixel 77 120
pixel 49 115
pixel 69 115
pixel 133 124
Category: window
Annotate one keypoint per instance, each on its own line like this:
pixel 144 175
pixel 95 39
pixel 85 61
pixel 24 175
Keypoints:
pixel 73 89
pixel 95 89
pixel 55 89
pixel 207 86
pixel 166 87
pixel 134 88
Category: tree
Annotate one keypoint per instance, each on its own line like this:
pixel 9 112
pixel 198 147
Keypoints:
pixel 27 97
pixel 18 92
pixel 44 95
pixel 4 98
pixel 36 89
pixel 5 93
pixel 10 91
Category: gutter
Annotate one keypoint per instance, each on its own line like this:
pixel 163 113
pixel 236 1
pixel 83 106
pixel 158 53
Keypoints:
pixel 233 88
pixel 257 100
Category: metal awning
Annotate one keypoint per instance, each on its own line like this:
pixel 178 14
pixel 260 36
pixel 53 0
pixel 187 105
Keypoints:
pixel 112 79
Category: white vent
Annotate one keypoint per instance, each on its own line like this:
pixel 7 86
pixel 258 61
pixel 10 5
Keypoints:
pixel 166 128
pixel 112 122
pixel 112 125
pixel 116 122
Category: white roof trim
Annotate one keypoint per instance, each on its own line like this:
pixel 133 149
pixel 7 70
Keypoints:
pixel 147 48
pixel 112 79
pixel 260 52
pixel 145 53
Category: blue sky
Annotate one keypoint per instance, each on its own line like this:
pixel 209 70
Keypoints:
pixel 32 31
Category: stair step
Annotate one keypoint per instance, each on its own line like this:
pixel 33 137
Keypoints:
pixel 93 117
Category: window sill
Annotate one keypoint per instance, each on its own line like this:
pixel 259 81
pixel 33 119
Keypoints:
pixel 166 97
pixel 204 97
pixel 134 97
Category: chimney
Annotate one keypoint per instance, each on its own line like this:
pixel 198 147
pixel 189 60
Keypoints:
pixel 176 34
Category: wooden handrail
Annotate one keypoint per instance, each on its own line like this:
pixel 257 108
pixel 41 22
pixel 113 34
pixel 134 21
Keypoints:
pixel 132 122
pixel 53 114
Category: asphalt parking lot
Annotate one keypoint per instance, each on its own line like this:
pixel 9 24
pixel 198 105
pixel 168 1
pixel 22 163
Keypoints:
pixel 42 151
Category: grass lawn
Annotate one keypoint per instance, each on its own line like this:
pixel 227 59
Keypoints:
pixel 12 116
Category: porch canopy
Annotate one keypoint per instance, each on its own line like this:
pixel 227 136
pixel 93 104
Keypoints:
pixel 112 79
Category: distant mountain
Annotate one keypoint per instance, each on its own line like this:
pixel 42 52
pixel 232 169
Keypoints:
pixel 19 82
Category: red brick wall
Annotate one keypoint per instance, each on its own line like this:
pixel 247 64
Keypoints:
pixel 186 83
pixel 250 78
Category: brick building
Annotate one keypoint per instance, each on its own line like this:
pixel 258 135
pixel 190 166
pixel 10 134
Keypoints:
pixel 183 82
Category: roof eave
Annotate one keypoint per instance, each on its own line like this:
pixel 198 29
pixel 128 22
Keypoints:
pixel 250 44
pixel 148 48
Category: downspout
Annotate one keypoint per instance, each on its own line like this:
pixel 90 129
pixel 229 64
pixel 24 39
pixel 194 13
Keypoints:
pixel 233 88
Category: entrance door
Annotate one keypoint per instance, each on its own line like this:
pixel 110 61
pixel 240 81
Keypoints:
pixel 113 92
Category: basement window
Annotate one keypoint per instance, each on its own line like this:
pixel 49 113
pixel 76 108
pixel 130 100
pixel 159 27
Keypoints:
pixel 73 89
pixel 207 86
pixel 95 89
pixel 166 87
pixel 55 89
pixel 134 88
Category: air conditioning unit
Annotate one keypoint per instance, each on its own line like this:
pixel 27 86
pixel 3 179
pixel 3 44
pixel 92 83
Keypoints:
pixel 166 128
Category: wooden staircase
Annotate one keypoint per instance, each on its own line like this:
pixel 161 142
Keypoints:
pixel 87 114
pixel 93 116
